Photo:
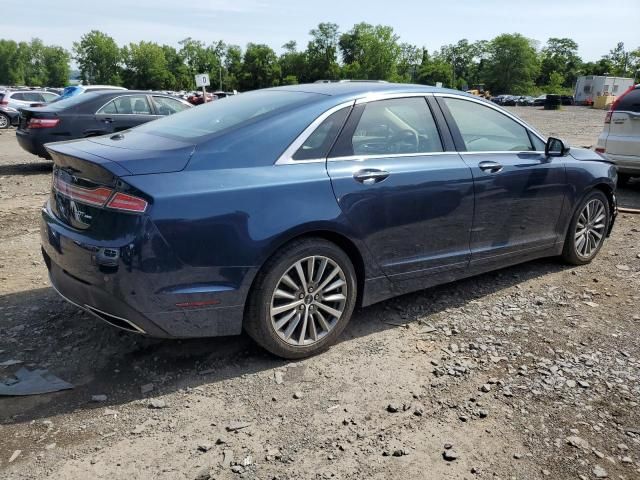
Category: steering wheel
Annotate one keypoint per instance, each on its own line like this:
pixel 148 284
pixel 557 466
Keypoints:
pixel 405 139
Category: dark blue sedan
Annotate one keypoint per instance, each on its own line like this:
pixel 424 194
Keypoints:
pixel 281 210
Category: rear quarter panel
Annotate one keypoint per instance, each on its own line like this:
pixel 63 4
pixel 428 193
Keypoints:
pixel 239 217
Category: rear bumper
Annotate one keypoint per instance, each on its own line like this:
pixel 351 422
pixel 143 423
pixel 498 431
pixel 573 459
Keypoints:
pixel 125 296
pixel 33 143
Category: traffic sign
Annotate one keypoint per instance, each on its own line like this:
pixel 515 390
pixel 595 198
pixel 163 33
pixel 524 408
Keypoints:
pixel 202 80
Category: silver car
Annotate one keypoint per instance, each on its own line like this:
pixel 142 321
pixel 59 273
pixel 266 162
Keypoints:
pixel 620 138
pixel 18 99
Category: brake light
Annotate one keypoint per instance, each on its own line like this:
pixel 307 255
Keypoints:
pixel 100 197
pixel 601 149
pixel 616 102
pixel 4 102
pixel 43 122
pixel 128 203
pixel 90 196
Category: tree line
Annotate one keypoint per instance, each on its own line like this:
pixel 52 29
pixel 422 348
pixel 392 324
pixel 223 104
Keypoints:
pixel 509 63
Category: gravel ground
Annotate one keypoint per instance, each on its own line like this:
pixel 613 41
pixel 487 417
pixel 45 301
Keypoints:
pixel 529 372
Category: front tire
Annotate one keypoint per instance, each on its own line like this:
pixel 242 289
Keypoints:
pixel 302 299
pixel 588 229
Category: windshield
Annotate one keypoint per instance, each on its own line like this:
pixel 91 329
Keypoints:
pixel 226 113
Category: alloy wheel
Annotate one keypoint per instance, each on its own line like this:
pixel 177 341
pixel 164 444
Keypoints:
pixel 309 300
pixel 590 228
pixel 4 121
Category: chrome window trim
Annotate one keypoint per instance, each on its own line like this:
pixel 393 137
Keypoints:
pixel 126 114
pixel 494 107
pixel 362 158
pixel 287 156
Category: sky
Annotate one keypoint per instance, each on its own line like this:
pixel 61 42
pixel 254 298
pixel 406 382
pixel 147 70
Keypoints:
pixel 274 22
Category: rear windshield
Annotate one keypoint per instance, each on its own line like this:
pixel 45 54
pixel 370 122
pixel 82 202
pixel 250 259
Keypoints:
pixel 64 103
pixel 226 113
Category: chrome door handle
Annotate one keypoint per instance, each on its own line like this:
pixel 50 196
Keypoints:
pixel 489 166
pixel 369 176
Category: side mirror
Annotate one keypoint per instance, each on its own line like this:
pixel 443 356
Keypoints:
pixel 555 148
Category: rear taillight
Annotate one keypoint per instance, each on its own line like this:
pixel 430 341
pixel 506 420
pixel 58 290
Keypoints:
pixel 601 149
pixel 615 104
pixel 90 196
pixel 4 102
pixel 100 197
pixel 43 122
pixel 128 203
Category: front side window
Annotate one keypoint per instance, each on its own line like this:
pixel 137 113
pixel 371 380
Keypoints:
pixel 168 106
pixel 630 102
pixel 317 145
pixel 396 126
pixel 484 129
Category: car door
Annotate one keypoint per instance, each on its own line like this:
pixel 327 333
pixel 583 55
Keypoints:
pixel 405 192
pixel 519 191
pixel 124 112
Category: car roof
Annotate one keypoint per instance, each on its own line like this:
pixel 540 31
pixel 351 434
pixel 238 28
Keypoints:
pixel 362 88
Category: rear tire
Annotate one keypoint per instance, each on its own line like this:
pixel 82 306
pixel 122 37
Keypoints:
pixel 5 121
pixel 588 229
pixel 302 299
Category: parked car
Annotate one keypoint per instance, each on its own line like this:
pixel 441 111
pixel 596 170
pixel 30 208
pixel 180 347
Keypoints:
pixel 499 99
pixel 539 101
pixel 281 210
pixel 74 90
pixel 620 138
pixel 17 99
pixel 525 101
pixel 91 114
pixel 567 100
pixel 8 116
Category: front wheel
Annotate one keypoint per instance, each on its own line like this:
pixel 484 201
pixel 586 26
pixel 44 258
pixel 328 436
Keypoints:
pixel 588 229
pixel 302 299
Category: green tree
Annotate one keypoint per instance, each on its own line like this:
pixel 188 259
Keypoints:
pixel 370 52
pixel 99 58
pixel 560 55
pixel 620 60
pixel 233 67
pixel 56 63
pixel 408 63
pixel 260 67
pixel 178 76
pixel 293 64
pixel 322 53
pixel 512 65
pixel 146 67
pixel 200 58
pixel 434 69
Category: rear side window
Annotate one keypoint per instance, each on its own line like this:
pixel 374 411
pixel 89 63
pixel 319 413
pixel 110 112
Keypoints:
pixel 221 115
pixel 127 105
pixel 396 126
pixel 18 96
pixel 322 138
pixel 484 129
pixel 630 102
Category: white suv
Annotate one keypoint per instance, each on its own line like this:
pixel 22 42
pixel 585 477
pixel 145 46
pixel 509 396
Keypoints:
pixel 620 139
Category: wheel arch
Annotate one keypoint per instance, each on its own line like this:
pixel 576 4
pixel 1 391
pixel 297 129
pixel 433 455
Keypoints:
pixel 341 240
